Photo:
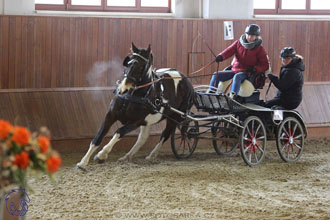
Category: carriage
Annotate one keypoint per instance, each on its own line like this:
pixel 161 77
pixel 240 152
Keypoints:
pixel 243 124
pixel 145 97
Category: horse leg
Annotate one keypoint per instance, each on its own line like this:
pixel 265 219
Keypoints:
pixel 106 124
pixel 143 136
pixel 170 126
pixel 103 154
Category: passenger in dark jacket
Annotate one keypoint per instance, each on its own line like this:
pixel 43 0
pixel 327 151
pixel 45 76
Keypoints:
pixel 290 83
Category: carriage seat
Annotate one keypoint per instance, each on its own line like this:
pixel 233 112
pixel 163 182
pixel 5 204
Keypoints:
pixel 247 93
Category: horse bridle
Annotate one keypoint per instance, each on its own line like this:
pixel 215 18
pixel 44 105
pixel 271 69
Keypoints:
pixel 143 100
pixel 133 79
pixel 143 58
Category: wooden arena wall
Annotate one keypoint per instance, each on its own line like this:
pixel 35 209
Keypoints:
pixel 77 113
pixel 56 52
pixel 60 71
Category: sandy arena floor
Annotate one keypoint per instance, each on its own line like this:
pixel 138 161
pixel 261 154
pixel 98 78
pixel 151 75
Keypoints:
pixel 205 186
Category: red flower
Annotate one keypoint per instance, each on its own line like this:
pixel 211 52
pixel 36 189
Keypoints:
pixel 43 143
pixel 53 163
pixel 21 136
pixel 5 128
pixel 22 160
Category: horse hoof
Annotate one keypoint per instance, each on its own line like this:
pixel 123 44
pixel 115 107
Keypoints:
pixel 124 159
pixel 98 160
pixel 150 159
pixel 79 168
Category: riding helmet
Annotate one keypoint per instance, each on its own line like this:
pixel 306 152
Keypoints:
pixel 287 52
pixel 253 29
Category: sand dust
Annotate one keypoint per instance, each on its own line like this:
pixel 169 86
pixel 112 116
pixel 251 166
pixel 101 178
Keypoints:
pixel 205 186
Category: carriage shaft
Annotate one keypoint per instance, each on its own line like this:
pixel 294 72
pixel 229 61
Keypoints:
pixel 228 117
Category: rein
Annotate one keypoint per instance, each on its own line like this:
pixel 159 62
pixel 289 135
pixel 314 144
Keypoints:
pixel 204 67
pixel 192 73
pixel 150 83
pixel 154 81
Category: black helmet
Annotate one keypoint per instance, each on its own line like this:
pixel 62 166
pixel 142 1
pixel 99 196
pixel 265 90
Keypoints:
pixel 253 29
pixel 287 52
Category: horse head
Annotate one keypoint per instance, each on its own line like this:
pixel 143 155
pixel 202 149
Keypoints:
pixel 138 68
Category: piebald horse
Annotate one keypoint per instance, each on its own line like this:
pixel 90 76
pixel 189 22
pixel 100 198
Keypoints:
pixel 141 100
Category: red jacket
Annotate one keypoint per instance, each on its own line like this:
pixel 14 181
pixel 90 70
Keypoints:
pixel 244 58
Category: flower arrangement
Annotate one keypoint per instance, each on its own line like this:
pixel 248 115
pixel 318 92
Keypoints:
pixel 21 152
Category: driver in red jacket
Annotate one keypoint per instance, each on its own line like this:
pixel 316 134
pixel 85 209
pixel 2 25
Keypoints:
pixel 250 57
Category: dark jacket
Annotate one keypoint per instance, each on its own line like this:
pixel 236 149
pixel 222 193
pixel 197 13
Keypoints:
pixel 290 83
pixel 245 58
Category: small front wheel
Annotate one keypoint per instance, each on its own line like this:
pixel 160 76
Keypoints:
pixel 290 139
pixel 184 139
pixel 253 141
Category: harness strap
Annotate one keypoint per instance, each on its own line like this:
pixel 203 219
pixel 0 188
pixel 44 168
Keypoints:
pixel 138 100
pixel 147 102
pixel 136 54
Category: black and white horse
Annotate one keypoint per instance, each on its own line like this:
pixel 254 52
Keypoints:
pixel 139 102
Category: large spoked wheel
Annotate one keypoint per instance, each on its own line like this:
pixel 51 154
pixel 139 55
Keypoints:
pixel 290 139
pixel 224 144
pixel 253 141
pixel 184 139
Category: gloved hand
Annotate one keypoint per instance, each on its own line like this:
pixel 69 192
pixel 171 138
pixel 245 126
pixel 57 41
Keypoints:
pixel 218 59
pixel 271 77
pixel 251 69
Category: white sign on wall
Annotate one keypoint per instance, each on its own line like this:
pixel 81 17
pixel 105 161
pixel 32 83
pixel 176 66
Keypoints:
pixel 228 30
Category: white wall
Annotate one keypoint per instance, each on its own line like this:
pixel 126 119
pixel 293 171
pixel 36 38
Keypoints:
pixel 222 9
pixel 17 7
pixel 187 8
pixel 228 9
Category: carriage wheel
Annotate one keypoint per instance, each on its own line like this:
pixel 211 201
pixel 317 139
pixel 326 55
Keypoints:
pixel 253 141
pixel 290 139
pixel 225 146
pixel 184 139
